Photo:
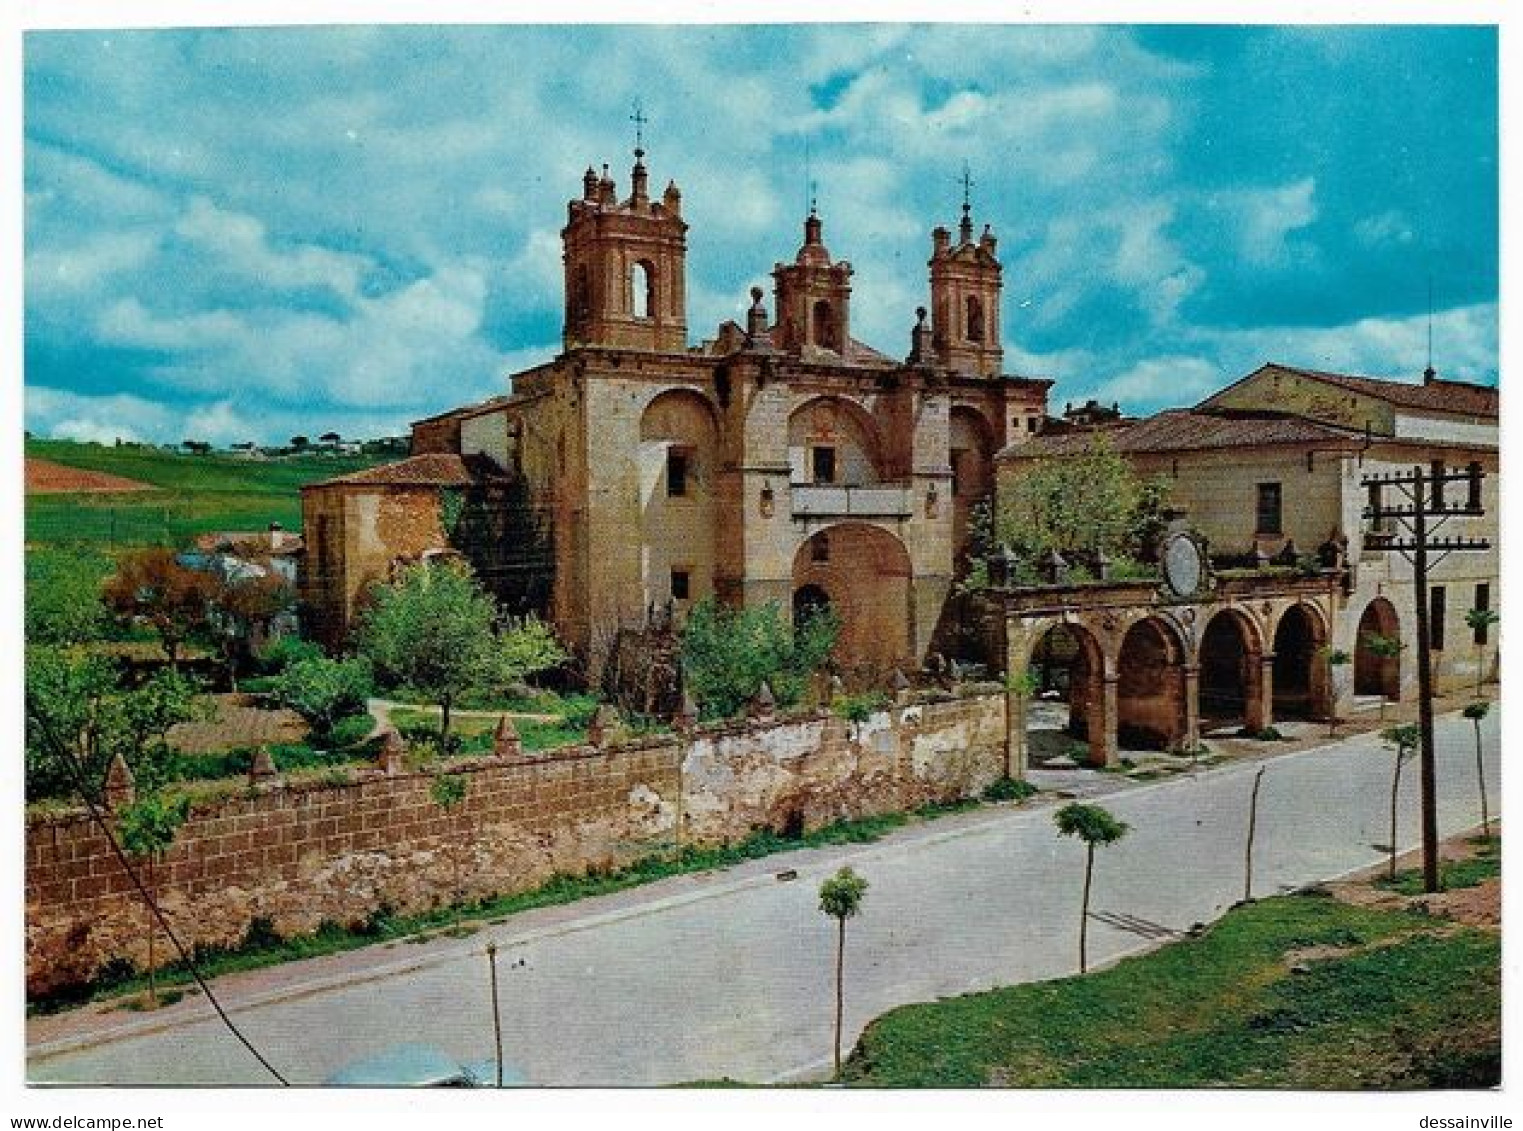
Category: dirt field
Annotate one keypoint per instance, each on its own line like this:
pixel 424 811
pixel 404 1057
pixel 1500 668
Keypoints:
pixel 44 477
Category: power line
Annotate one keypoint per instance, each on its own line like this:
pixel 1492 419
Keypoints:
pixel 76 772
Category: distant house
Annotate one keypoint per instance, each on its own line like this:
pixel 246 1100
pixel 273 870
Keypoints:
pixel 249 555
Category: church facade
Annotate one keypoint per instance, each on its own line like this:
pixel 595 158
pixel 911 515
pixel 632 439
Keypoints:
pixel 781 462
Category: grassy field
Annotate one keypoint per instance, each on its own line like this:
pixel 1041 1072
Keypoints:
pixel 196 495
pixel 1388 999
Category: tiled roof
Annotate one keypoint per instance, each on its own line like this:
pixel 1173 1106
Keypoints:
pixel 1181 430
pixel 1458 397
pixel 433 470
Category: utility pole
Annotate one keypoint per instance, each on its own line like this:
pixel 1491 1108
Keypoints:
pixel 1423 492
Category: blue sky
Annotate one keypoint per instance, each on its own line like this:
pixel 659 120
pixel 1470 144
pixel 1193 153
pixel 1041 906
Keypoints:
pixel 242 235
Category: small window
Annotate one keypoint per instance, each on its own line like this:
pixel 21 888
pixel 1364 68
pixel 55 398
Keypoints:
pixel 678 470
pixel 825 335
pixel 819 548
pixel 822 462
pixel 1483 603
pixel 959 455
pixel 680 585
pixel 1032 424
pixel 1269 519
pixel 1437 608
pixel 642 290
pixel 975 319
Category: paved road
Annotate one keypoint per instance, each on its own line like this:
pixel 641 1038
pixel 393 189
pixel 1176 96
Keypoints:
pixel 730 974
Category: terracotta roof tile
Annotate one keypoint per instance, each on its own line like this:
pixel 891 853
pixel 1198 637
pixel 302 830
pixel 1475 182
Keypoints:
pixel 1179 430
pixel 433 470
pixel 1457 397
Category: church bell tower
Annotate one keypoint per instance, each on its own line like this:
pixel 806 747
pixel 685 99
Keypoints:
pixel 626 265
pixel 965 299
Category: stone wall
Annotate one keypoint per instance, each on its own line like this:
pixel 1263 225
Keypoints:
pixel 298 855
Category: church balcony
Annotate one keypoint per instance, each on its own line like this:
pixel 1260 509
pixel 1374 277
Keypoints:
pixel 825 500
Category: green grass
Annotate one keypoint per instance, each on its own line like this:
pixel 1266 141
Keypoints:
pixel 263 947
pixel 1485 865
pixel 1410 1004
pixel 197 494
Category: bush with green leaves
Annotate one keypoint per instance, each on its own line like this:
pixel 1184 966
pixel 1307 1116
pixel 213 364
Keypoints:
pixel 77 711
pixel 728 653
pixel 323 691
pixel 279 654
pixel 63 596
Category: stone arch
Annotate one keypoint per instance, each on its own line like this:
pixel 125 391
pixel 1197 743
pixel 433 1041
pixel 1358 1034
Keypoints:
pixel 642 289
pixel 846 430
pixel 865 578
pixel 1152 710
pixel 972 455
pixel 1377 675
pixel 1301 686
pixel 1231 671
pixel 677 463
pixel 1066 665
pixel 975 319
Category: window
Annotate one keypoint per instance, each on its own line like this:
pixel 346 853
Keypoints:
pixel 1268 520
pixel 975 319
pixel 642 290
pixel 822 463
pixel 680 584
pixel 678 468
pixel 825 326
pixel 958 470
pixel 1436 610
pixel 1483 603
pixel 819 548
pixel 1033 423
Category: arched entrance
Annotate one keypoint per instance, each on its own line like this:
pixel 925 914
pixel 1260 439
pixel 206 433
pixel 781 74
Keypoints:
pixel 1300 666
pixel 1376 674
pixel 1067 702
pixel 1150 689
pixel 809 601
pixel 1231 689
pixel 972 455
pixel 862 573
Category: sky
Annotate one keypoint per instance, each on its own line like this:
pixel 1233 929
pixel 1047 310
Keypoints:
pixel 238 235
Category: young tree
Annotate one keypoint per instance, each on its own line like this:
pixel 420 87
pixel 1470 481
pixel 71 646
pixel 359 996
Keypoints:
pixel 1337 660
pixel 1094 826
pixel 1403 740
pixel 1088 503
pixel 448 792
pixel 152 586
pixel 75 699
pixel 147 829
pixel 728 653
pixel 323 691
pixel 238 607
pixel 1480 620
pixel 841 899
pixel 1476 712
pixel 1382 648
pixel 433 630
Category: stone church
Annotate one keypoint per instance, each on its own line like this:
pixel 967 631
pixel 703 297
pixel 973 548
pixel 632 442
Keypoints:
pixel 784 461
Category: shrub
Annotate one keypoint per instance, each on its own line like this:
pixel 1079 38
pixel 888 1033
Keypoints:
pixel 280 654
pixel 728 653
pixel 323 691
pixel 1009 789
pixel 351 730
